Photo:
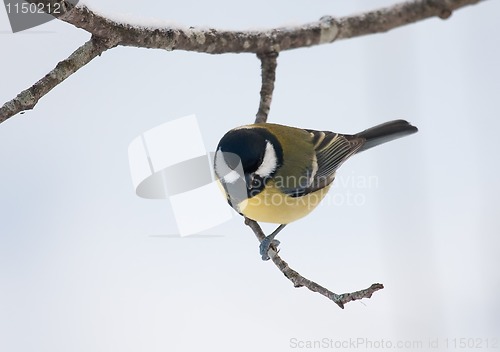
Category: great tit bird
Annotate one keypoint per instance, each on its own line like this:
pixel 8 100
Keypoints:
pixel 279 174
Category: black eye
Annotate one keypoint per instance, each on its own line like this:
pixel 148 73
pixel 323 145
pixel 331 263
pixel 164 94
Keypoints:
pixel 256 185
pixel 256 182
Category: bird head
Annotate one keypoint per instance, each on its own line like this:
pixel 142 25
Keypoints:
pixel 246 159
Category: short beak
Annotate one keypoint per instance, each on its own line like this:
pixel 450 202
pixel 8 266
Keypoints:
pixel 248 180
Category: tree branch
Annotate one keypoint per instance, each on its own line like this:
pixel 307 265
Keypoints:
pixel 268 68
pixel 300 281
pixel 212 41
pixel 28 98
pixel 215 41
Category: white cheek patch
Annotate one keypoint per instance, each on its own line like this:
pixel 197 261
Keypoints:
pixel 223 171
pixel 269 163
pixel 231 177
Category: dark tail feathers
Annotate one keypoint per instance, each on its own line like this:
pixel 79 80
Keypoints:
pixel 385 132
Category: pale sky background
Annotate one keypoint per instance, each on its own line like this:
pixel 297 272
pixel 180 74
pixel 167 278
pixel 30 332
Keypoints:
pixel 85 265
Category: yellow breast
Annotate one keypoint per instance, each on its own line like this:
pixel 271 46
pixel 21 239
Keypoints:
pixel 275 207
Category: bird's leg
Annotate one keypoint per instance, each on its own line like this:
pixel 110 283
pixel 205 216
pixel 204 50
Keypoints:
pixel 270 241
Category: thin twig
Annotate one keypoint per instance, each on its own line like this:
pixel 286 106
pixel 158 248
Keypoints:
pixel 300 281
pixel 28 98
pixel 268 72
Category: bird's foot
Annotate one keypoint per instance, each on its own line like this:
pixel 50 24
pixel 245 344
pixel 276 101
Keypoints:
pixel 267 244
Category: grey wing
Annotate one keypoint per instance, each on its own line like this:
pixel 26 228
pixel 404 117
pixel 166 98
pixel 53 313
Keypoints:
pixel 332 149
